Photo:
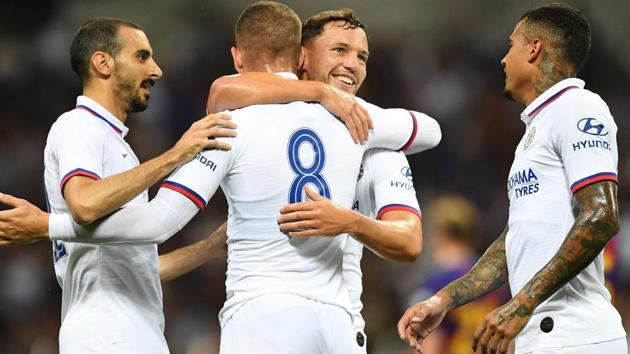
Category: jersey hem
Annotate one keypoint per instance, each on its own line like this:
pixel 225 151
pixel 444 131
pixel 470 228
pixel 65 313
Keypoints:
pixel 598 177
pixel 402 207
pixel 77 172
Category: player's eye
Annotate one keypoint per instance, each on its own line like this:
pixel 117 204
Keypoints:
pixel 339 50
pixel 363 58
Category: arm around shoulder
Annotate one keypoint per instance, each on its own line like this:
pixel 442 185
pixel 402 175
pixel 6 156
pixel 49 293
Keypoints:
pixel 246 89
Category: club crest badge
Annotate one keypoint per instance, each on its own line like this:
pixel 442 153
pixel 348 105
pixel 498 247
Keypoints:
pixel 529 138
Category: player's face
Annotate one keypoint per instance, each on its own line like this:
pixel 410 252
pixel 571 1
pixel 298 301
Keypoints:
pixel 515 64
pixel 135 70
pixel 338 57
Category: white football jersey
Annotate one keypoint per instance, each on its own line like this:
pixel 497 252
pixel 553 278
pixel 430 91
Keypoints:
pixel 279 150
pixel 385 183
pixel 569 142
pixel 111 295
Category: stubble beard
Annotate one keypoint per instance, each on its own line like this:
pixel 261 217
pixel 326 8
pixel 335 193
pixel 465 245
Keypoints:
pixel 130 92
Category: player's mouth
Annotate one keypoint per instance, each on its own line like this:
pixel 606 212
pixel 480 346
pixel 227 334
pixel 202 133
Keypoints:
pixel 146 85
pixel 345 80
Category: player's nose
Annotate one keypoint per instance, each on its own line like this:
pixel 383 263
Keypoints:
pixel 156 72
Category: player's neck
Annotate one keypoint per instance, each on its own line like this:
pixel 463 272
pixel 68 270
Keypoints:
pixel 279 66
pixel 106 98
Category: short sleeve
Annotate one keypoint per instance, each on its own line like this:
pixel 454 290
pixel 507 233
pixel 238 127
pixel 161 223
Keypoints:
pixel 586 140
pixel 79 146
pixel 391 181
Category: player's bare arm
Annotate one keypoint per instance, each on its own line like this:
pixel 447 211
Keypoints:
pixel 396 237
pixel 186 259
pixel 90 199
pixel 487 275
pixel 597 221
pixel 237 91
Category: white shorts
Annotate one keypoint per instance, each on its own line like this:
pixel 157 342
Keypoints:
pixel 285 323
pixel 616 346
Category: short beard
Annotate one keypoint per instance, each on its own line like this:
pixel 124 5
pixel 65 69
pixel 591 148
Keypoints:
pixel 137 104
pixel 128 91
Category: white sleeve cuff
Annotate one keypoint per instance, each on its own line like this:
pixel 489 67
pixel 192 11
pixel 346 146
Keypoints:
pixel 60 227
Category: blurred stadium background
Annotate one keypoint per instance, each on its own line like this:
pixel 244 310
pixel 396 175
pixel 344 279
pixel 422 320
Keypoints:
pixel 439 57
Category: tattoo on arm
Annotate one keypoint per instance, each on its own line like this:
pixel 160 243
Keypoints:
pixel 597 221
pixel 488 274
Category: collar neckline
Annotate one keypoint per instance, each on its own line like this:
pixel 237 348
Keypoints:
pixel 98 111
pixel 547 97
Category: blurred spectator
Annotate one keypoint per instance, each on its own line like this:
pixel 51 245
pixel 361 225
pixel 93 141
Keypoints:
pixel 438 57
pixel 453 236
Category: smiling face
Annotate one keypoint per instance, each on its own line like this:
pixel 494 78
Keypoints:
pixel 135 71
pixel 337 57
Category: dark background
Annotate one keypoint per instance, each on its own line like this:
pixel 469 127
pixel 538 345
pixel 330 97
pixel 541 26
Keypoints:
pixel 438 57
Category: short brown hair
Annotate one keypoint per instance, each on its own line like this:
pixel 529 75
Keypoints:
pixel 457 217
pixel 314 26
pixel 97 34
pixel 269 30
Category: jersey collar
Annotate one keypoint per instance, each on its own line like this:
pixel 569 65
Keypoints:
pixel 99 112
pixel 548 97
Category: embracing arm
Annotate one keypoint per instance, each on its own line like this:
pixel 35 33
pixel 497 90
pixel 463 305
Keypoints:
pixel 397 236
pixel 186 259
pixel 89 199
pixel 402 130
pixel 596 223
pixel 149 223
pixel 246 89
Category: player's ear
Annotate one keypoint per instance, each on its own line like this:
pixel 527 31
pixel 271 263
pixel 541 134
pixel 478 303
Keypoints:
pixel 301 58
pixel 535 50
pixel 102 64
pixel 237 57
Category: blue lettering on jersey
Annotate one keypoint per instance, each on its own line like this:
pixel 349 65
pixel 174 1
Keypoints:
pixel 208 163
pixel 523 182
pixel 306 174
pixel 355 206
pixel 59 250
pixel 403 185
pixel 589 144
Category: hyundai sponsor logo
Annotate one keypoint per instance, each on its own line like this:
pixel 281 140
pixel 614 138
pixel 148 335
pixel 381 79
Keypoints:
pixel 592 126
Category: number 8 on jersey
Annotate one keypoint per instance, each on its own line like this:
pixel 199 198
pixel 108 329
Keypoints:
pixel 306 174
